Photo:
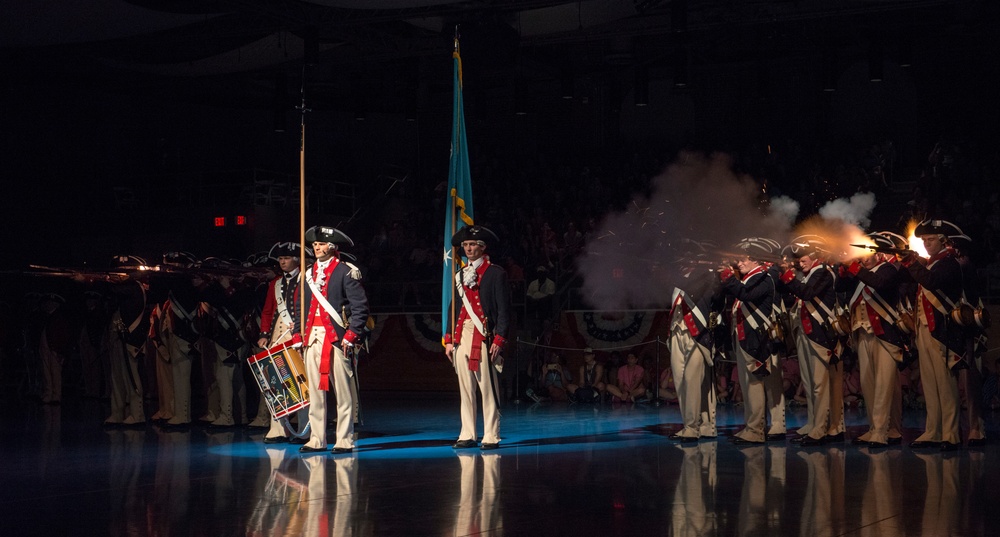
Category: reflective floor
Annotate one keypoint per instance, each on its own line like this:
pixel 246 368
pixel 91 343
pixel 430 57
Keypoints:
pixel 561 470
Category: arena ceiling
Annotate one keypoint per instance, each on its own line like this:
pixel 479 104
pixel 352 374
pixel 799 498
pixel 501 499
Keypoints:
pixel 390 54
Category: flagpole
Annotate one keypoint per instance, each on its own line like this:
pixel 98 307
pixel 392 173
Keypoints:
pixel 454 258
pixel 302 205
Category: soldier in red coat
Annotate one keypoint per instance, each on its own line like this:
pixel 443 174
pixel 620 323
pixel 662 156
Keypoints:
pixel 940 340
pixel 277 322
pixel 336 320
pixel 480 335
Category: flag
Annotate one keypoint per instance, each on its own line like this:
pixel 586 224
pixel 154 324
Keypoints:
pixel 458 206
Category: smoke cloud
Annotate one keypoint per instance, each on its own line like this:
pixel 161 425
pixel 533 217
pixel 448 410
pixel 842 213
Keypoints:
pixel 856 210
pixel 632 261
pixel 697 211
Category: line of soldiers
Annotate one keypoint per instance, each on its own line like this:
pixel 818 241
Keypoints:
pixel 888 306
pixel 193 324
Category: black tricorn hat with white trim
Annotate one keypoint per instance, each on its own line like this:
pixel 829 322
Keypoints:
pixel 883 240
pixel 287 249
pixel 328 234
pixel 898 241
pixel 126 261
pixel 940 227
pixel 804 245
pixel 759 248
pixel 474 233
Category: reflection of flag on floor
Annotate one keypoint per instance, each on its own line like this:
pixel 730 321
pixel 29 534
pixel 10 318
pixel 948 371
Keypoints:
pixel 458 209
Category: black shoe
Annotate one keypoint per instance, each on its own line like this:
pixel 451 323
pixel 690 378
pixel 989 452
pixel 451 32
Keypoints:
pixel 876 445
pixel 176 426
pixel 307 449
pixel 857 441
pixel 678 438
pixel 948 446
pixel 744 442
pixel 275 439
pixel 921 444
pixel 976 442
pixel 896 441
pixel 219 427
pixel 839 437
pixel 775 437
pixel 298 441
pixel 464 444
pixel 798 439
pixel 809 441
pixel 486 446
pixel 342 450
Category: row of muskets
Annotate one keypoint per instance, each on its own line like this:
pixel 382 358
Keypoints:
pixel 973 318
pixel 256 270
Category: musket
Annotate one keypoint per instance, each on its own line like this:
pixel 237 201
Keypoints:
pixel 87 275
pixel 885 249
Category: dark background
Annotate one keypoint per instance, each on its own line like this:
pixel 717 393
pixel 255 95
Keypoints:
pixel 129 126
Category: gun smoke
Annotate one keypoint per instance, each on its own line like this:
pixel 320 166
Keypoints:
pixel 698 209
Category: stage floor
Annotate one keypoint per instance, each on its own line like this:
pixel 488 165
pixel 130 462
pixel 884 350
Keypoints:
pixel 561 470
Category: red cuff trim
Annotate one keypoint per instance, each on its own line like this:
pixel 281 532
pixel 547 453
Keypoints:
pixel 788 276
pixel 855 268
pixel 447 339
pixel 499 341
pixel 351 337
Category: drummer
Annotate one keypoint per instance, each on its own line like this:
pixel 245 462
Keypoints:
pixel 276 326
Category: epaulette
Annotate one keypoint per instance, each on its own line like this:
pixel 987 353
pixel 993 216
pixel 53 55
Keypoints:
pixel 355 271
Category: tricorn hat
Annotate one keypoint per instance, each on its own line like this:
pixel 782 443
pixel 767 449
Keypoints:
pixel 259 259
pixel 882 240
pixel 126 261
pixel 474 233
pixel 287 249
pixel 804 245
pixel 940 227
pixel 183 259
pixel 328 234
pixel 758 247
pixel 898 240
pixel 215 262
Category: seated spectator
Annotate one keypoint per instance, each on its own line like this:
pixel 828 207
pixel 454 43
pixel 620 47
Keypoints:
pixel 539 294
pixel 611 367
pixel 667 391
pixel 591 388
pixel 629 387
pixel 554 381
pixel 722 394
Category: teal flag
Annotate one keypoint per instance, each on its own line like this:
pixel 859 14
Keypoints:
pixel 458 206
